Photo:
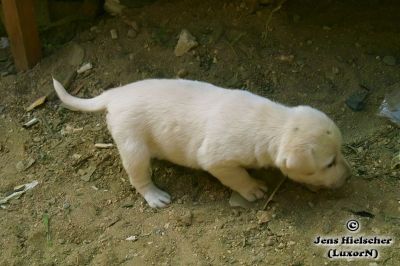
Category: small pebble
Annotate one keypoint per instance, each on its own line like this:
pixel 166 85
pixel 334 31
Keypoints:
pixel 281 245
pixel 263 217
pixel 270 241
pixel 20 166
pixel 66 205
pixel 132 33
pixel 182 73
pixel 291 243
pixel 186 218
pixel 389 60
pixel 61 241
pixel 132 238
pixel 114 34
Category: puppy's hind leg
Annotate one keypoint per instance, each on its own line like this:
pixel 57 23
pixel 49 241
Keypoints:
pixel 136 160
pixel 239 180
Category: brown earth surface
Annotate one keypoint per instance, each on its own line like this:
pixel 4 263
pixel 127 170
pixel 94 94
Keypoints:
pixel 315 52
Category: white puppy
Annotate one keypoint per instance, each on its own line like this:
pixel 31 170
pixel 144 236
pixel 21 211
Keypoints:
pixel 222 131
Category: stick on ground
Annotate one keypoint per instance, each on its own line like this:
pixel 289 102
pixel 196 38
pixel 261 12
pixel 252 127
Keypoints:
pixel 273 192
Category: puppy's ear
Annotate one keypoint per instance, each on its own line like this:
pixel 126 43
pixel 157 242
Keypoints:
pixel 300 160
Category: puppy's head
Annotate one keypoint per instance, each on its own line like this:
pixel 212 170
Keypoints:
pixel 310 150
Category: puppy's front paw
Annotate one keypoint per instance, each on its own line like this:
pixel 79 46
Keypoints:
pixel 156 198
pixel 254 190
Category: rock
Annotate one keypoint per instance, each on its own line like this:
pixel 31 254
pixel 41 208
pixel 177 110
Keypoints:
pixel 113 7
pixel 25 164
pixel 186 218
pixel 131 238
pixel 31 122
pixel 84 68
pixel 356 101
pixel 186 42
pixel 389 60
pixel 132 34
pixel 182 73
pixel 89 172
pixel 291 243
pixel 20 166
pixel 127 205
pixel 270 241
pixel 114 34
pixel 94 29
pixel 66 205
pixel 263 217
pixel 132 24
pixel 281 245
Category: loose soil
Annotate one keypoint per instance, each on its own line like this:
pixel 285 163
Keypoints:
pixel 315 52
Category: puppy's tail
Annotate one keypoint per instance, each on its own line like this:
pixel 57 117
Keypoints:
pixel 77 104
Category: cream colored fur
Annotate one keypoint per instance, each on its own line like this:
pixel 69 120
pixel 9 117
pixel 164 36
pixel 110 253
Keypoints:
pixel 222 131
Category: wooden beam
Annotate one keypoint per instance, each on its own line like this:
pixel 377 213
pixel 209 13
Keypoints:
pixel 20 22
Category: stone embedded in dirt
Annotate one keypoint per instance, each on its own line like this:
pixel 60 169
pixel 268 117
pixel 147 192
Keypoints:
pixel 128 204
pixel 88 173
pixel 133 24
pixel 104 145
pixel 356 101
pixel 31 122
pixel 286 58
pixel 263 217
pixel 132 238
pixel 291 243
pixel 66 205
pixel 270 241
pixel 182 73
pixel 114 34
pixel 25 164
pixel 84 68
pixel 186 42
pixel 389 60
pixel 186 218
pixel 131 33
pixel 113 7
pixel 20 166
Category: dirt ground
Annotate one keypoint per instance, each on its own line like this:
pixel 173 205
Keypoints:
pixel 314 52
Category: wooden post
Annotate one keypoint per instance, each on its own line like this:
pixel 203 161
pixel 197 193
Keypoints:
pixel 20 22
